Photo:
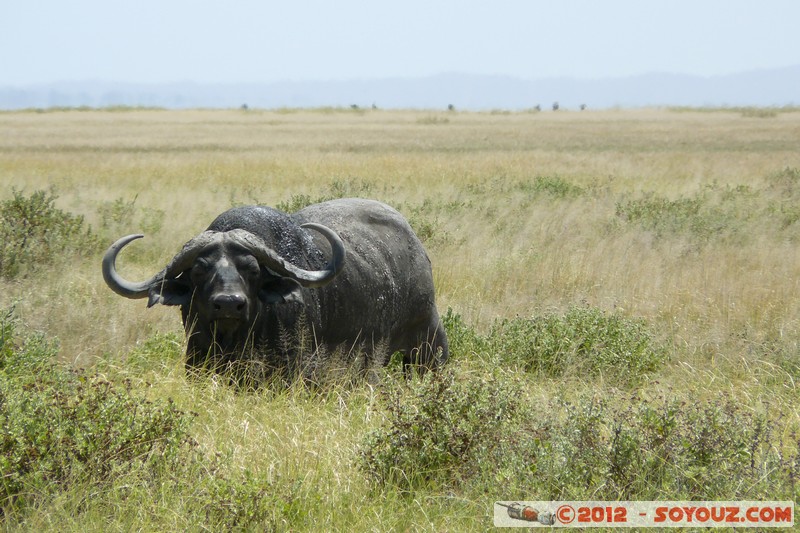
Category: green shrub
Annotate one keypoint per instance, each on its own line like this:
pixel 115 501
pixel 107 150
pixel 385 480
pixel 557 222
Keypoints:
pixel 33 232
pixel 295 203
pixel 463 340
pixel 584 340
pixel 727 214
pixel 338 188
pixel 119 212
pixel 786 181
pixel 247 503
pixel 156 350
pixel 424 221
pixel 439 430
pixel 554 186
pixel 656 213
pixel 715 212
pixel 65 431
pixel 120 215
pixel 784 186
pixel 474 435
pixel 660 449
pixel 60 427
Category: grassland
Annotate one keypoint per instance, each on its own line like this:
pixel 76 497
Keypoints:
pixel 684 223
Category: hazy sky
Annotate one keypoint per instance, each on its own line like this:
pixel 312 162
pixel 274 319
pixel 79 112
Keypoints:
pixel 251 40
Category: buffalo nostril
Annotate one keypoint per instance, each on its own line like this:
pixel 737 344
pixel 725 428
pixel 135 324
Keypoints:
pixel 229 303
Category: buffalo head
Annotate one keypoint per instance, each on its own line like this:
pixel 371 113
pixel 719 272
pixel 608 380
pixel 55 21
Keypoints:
pixel 223 280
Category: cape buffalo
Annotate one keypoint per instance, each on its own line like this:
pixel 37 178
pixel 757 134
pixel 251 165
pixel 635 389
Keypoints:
pixel 350 272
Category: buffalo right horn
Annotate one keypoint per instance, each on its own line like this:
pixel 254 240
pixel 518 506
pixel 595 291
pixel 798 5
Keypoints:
pixel 117 283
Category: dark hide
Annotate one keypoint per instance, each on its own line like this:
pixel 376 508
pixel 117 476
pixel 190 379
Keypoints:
pixel 385 292
pixel 235 308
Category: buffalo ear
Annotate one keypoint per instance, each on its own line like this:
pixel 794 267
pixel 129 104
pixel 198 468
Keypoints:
pixel 170 292
pixel 281 291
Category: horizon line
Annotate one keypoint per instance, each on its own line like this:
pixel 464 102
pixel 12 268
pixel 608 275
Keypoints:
pixel 362 79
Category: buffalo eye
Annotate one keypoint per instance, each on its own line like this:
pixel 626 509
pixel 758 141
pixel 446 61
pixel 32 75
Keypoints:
pixel 199 270
pixel 250 268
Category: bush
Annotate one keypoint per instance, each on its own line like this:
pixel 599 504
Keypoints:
pixel 474 435
pixel 117 213
pixel 155 351
pixel 295 203
pixel 247 503
pixel 425 222
pixel 60 427
pixel 585 340
pixel 439 431
pixel 784 186
pixel 723 213
pixel 659 449
pixel 715 212
pixel 786 181
pixel 554 186
pixel 120 216
pixel 33 232
pixel 65 432
pixel 462 338
pixel 660 215
pixel 338 188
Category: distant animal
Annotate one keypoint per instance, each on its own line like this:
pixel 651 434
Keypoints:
pixel 350 272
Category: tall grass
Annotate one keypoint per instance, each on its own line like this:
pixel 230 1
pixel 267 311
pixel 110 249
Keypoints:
pixel 622 285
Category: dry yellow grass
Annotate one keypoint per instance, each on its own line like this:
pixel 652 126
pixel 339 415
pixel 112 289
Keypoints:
pixel 724 296
pixel 505 251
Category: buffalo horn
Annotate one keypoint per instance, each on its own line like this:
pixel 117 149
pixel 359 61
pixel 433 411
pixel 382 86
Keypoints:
pixel 186 257
pixel 117 283
pixel 268 258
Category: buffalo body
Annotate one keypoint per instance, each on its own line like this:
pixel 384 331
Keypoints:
pixel 347 276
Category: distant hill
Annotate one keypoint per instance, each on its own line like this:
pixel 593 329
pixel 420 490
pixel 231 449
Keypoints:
pixel 769 87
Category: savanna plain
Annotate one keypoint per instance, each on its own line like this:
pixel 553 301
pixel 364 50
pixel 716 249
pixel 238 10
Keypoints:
pixel 621 290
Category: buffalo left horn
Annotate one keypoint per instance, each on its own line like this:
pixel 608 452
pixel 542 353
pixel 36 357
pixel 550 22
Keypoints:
pixel 270 259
